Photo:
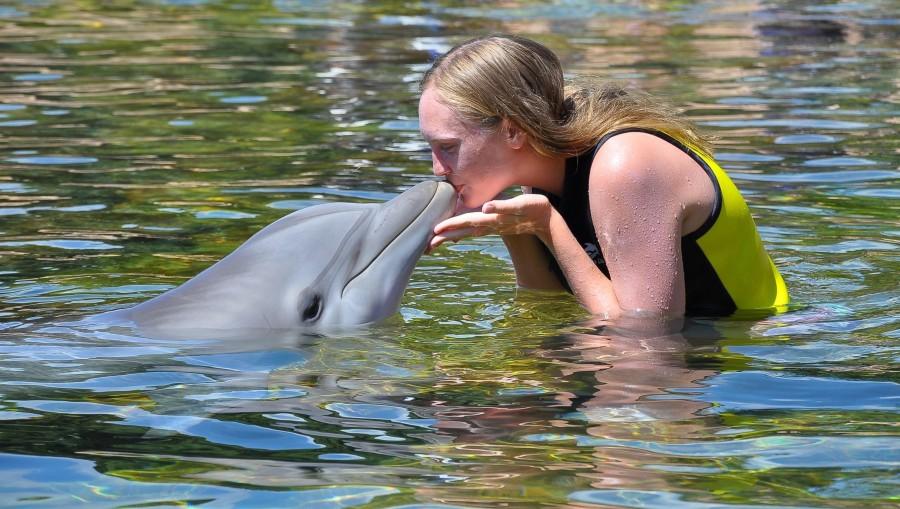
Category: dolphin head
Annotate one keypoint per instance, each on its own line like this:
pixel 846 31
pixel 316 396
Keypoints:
pixel 330 265
pixel 371 272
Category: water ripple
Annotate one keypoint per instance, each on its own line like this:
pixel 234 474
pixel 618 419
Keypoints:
pixel 777 452
pixel 250 395
pixel 38 77
pixel 127 382
pixel 816 352
pixel 803 139
pixel 820 177
pixel 839 162
pixel 143 140
pixel 757 390
pixel 244 99
pixel 793 123
pixel 71 352
pixel 612 497
pixel 262 361
pixel 65 479
pixel 230 433
pixel 847 246
pixel 66 244
pixel 53 160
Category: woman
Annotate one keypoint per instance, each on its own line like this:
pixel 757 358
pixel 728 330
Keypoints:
pixel 623 205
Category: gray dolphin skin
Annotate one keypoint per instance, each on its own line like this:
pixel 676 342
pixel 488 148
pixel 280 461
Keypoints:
pixel 331 265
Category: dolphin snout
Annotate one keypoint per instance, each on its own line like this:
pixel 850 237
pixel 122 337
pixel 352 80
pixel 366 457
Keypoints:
pixel 430 201
pixel 426 192
pixel 403 226
pixel 445 193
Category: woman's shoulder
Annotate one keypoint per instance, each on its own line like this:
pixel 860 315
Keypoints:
pixel 633 154
pixel 636 168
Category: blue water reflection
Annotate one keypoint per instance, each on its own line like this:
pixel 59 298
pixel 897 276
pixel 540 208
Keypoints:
pixel 142 141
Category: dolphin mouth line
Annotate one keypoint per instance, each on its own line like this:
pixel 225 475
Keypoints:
pixel 392 242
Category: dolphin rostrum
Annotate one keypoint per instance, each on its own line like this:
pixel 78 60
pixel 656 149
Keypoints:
pixel 335 264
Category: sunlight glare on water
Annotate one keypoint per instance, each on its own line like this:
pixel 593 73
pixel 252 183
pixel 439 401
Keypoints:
pixel 143 141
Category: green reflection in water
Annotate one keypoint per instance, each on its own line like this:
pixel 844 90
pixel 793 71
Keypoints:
pixel 165 133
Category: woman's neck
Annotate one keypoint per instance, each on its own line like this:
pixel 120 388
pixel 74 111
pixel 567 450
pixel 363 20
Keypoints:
pixel 545 173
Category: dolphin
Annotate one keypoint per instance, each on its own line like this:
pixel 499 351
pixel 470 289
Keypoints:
pixel 331 265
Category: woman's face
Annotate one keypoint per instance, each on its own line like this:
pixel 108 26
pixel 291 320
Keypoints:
pixel 475 160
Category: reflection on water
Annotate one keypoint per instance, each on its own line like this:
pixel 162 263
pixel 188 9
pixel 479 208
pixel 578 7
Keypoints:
pixel 141 142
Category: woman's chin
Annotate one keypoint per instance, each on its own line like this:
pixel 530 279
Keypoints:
pixel 463 206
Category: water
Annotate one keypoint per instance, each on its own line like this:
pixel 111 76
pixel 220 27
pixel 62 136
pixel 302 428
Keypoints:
pixel 140 142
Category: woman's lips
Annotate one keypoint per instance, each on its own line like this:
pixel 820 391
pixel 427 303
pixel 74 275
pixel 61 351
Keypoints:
pixel 459 198
pixel 460 205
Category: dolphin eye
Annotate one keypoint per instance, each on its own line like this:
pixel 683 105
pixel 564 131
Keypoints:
pixel 313 309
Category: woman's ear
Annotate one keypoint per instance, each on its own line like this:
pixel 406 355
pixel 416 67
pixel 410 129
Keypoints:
pixel 513 134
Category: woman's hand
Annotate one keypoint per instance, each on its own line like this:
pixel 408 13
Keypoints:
pixel 527 213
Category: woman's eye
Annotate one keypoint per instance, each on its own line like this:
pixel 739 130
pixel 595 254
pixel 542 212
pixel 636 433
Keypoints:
pixel 448 148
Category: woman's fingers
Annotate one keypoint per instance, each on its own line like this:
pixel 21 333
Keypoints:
pixel 451 236
pixel 519 206
pixel 500 207
pixel 469 220
pixel 513 216
pixel 459 233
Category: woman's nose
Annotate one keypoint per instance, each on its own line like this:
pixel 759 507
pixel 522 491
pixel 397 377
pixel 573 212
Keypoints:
pixel 438 168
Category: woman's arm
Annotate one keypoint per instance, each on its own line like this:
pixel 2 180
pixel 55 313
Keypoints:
pixel 526 220
pixel 531 259
pixel 531 262
pixel 591 287
pixel 639 191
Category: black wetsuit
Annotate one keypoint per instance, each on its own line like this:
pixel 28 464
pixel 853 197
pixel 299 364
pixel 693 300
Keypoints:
pixel 704 257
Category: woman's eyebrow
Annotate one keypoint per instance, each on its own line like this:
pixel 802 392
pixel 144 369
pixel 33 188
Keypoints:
pixel 440 139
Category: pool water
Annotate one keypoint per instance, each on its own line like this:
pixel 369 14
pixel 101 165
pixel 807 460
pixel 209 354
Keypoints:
pixel 142 141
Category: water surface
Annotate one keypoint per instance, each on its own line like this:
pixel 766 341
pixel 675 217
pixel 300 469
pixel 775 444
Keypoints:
pixel 140 142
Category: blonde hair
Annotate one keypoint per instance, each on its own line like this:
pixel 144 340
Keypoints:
pixel 505 77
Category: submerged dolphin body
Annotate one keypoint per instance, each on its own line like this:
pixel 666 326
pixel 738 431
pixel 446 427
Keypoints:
pixel 336 264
